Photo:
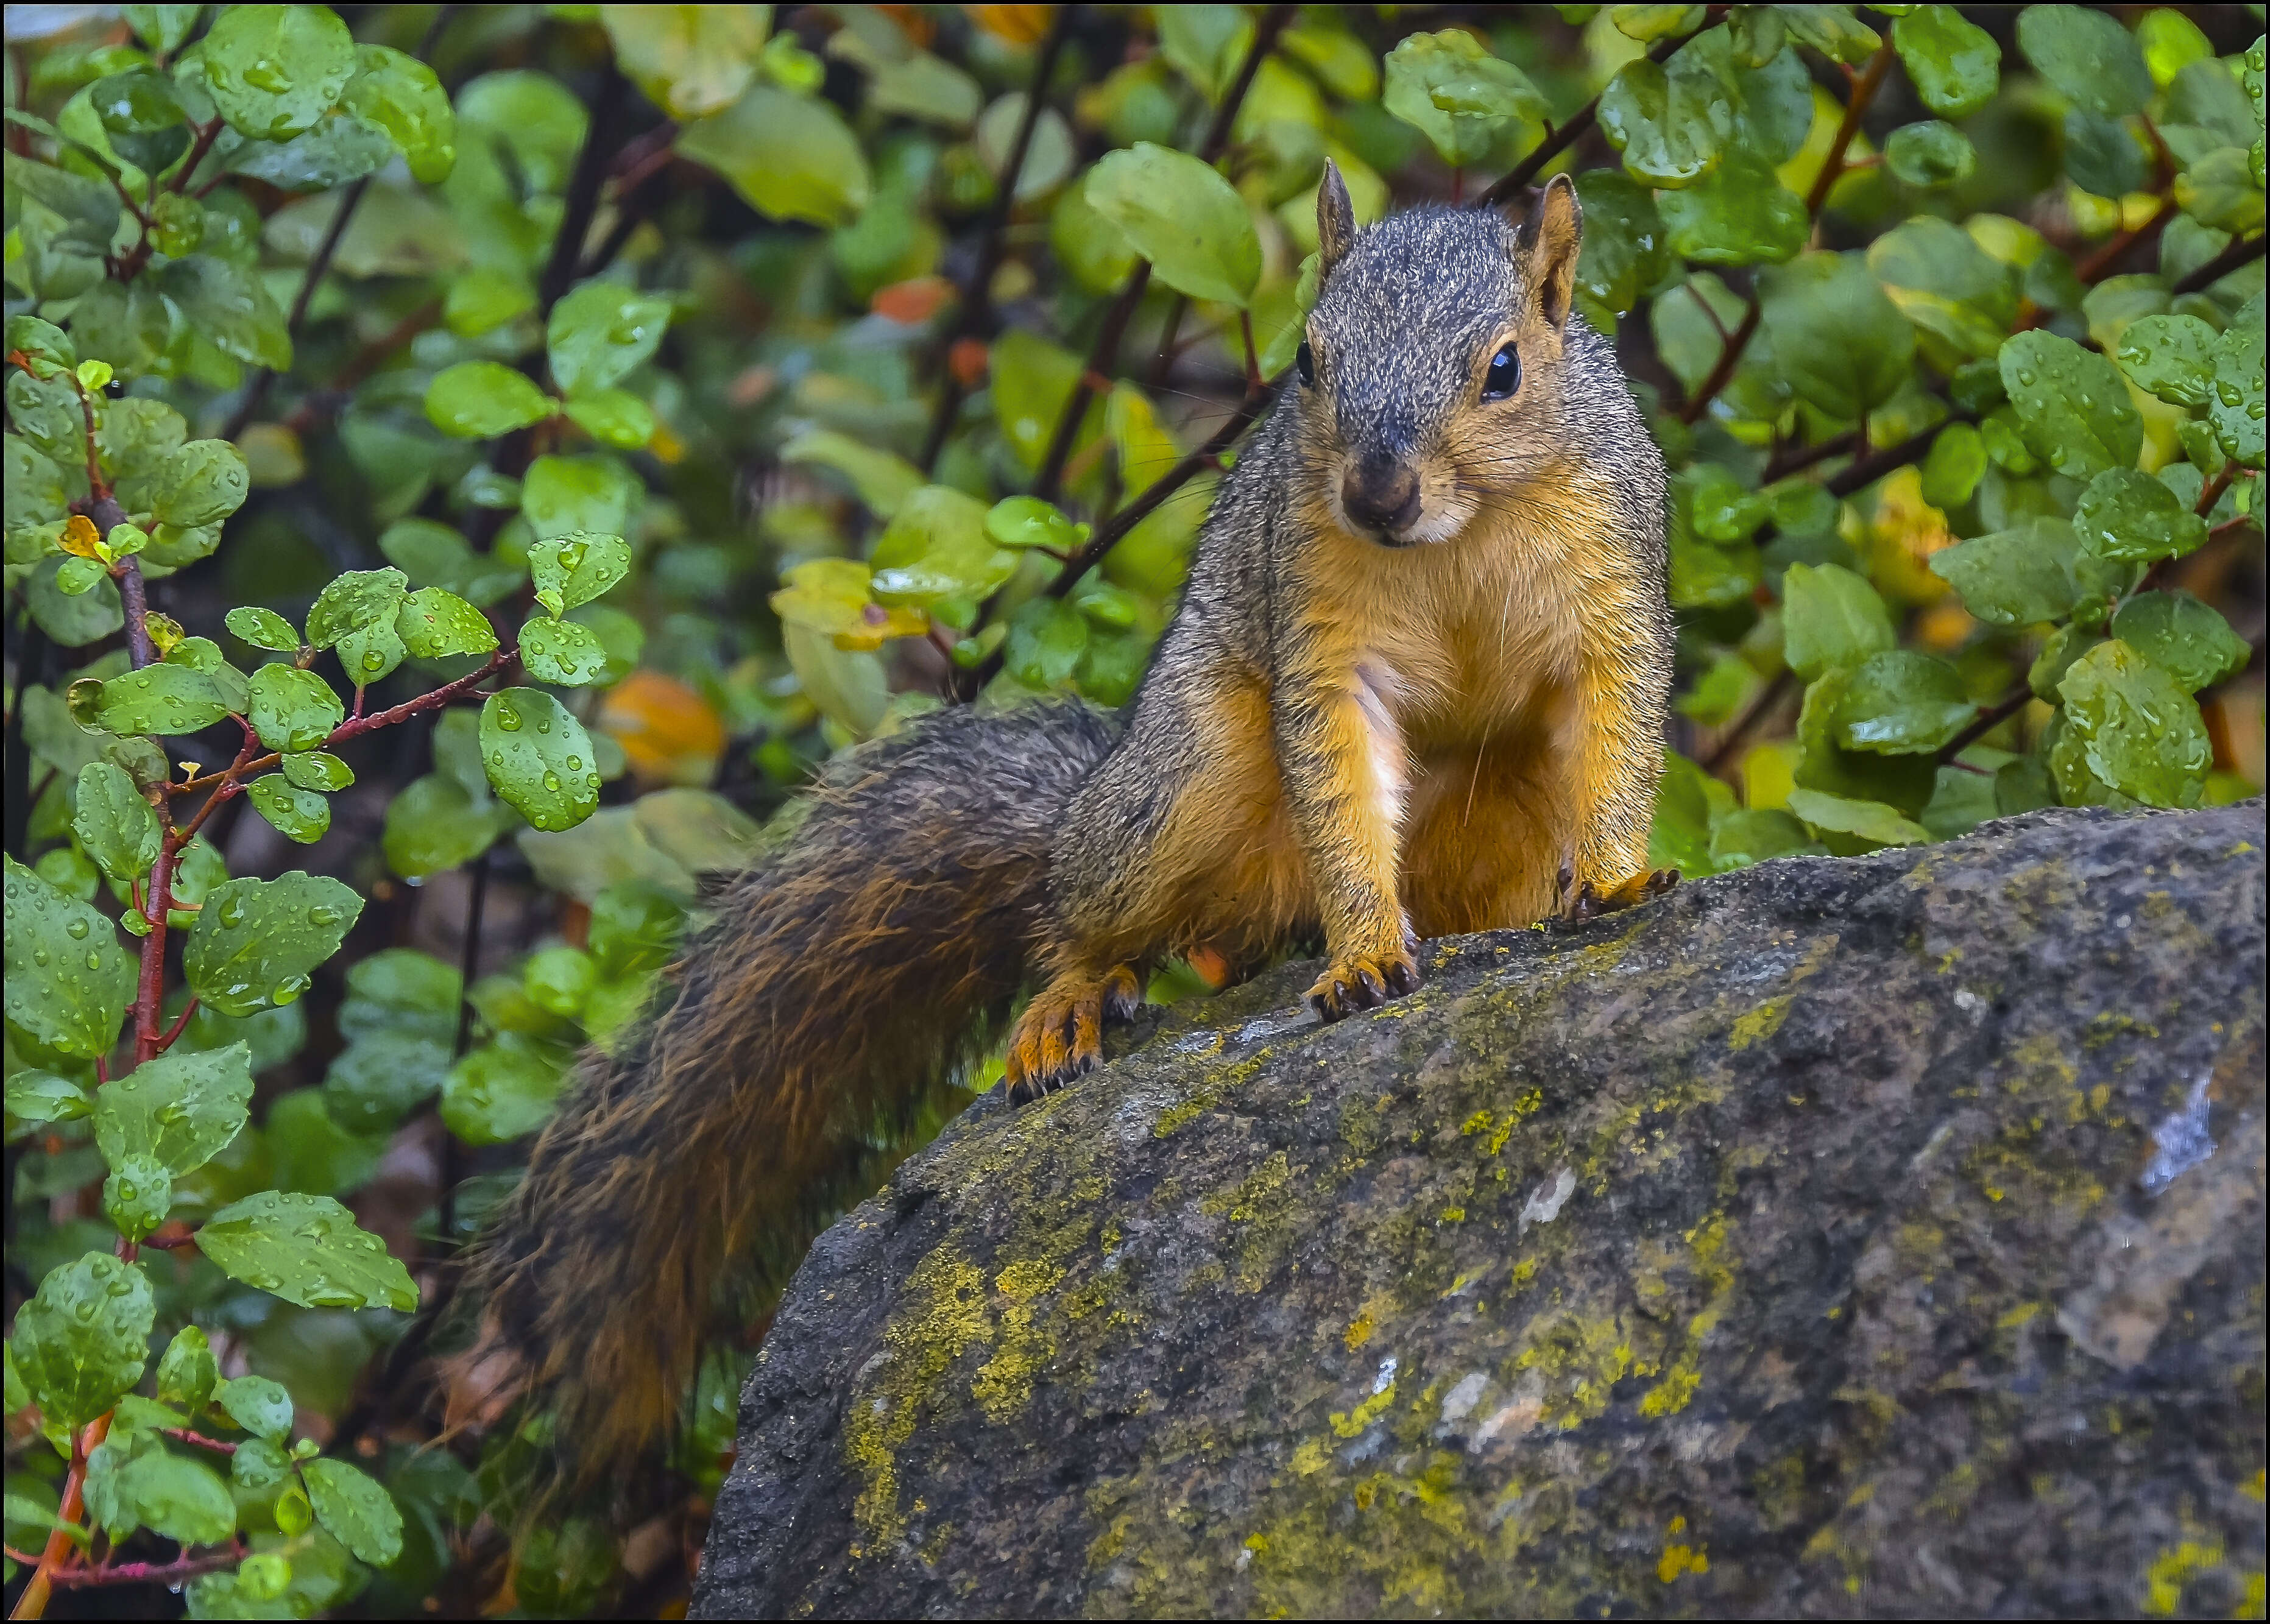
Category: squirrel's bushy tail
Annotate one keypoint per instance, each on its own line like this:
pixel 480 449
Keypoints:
pixel 879 945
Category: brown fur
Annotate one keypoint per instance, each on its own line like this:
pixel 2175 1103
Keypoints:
pixel 1448 723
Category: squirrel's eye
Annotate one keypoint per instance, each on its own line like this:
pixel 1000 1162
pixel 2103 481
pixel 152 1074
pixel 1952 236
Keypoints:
pixel 1305 359
pixel 1505 375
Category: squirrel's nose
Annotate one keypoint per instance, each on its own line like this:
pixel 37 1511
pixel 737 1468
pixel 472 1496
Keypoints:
pixel 1381 494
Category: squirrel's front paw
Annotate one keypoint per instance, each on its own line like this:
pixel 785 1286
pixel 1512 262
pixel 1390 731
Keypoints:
pixel 1060 1034
pixel 1587 901
pixel 1363 982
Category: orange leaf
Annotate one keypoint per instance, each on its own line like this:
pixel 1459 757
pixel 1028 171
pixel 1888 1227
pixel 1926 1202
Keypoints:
pixel 912 302
pixel 969 361
pixel 1018 25
pixel 668 732
pixel 80 537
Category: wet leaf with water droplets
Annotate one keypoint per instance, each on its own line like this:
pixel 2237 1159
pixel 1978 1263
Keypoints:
pixel 257 941
pixel 82 1338
pixel 164 700
pixel 68 980
pixel 2140 733
pixel 292 709
pixel 188 1371
pixel 575 569
pixel 354 1509
pixel 302 815
pixel 180 1108
pixel 115 825
pixel 2073 408
pixel 138 1194
pixel 307 1249
pixel 257 1403
pixel 527 740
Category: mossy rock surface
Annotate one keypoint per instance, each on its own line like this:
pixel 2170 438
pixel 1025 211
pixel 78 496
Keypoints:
pixel 1881 1235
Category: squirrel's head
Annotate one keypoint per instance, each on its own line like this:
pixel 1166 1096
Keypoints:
pixel 1430 381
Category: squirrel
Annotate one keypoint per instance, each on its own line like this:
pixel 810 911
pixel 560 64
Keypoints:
pixel 1416 686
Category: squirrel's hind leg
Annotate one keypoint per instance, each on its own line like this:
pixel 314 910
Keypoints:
pixel 1060 1034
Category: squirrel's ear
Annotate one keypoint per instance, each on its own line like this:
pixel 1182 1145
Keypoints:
pixel 1335 219
pixel 1550 239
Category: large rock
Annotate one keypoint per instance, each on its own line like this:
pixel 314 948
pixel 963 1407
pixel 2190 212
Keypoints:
pixel 1836 1238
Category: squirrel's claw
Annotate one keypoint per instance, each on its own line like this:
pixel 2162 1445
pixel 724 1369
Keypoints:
pixel 1060 1034
pixel 1363 982
pixel 1587 901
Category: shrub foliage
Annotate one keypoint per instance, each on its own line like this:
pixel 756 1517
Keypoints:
pixel 504 450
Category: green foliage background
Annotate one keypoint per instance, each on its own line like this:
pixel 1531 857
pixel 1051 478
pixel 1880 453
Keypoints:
pixel 504 450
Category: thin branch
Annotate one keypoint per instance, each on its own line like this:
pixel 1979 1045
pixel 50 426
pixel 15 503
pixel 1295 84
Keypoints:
pixel 1108 536
pixel 255 391
pixel 1738 731
pixel 977 297
pixel 166 1041
pixel 32 1603
pixel 1559 141
pixel 583 195
pixel 2008 706
pixel 168 1574
pixel 218 1445
pixel 1730 357
pixel 1104 358
pixel 1864 92
pixel 2239 253
pixel 2099 265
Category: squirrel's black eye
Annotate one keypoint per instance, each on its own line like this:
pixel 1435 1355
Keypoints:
pixel 1305 359
pixel 1505 375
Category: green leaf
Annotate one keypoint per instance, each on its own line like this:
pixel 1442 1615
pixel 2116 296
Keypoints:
pixel 402 96
pixel 35 1097
pixel 2018 577
pixel 2088 55
pixel 564 494
pixel 292 709
pixel 1626 251
pixel 2073 408
pixel 503 1090
pixel 201 482
pixel 1671 127
pixel 302 815
pixel 67 983
pixel 1833 31
pixel 263 628
pixel 1450 88
pixel 690 60
pixel 600 332
pixel 561 652
pixel 113 823
pixel 881 479
pixel 1206 43
pixel 2237 410
pixel 274 69
pixel 2171 356
pixel 2184 637
pixel 434 624
pixel 229 307
pixel 84 1338
pixel 1680 837
pixel 484 299
pixel 1955 465
pixel 1930 155
pixel 571 570
pixel 1841 342
pixel 256 942
pixel 1869 821
pixel 1831 617
pixel 137 1482
pixel 162 27
pixel 257 1403
pixel 1183 217
pixel 358 599
pixel 433 825
pixel 308 1251
pixel 187 1371
pixel 480 400
pixel 78 576
pixel 433 554
pixel 1737 215
pixel 1047 638
pixel 2101 156
pixel 937 548
pixel 353 1507
pixel 1742 838
pixel 1900 703
pixel 378 1080
pixel 614 417
pixel 138 1194
pixel 538 758
pixel 2136 518
pixel 182 1110
pixel 789 156
pixel 258 1463
pixel 2138 729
